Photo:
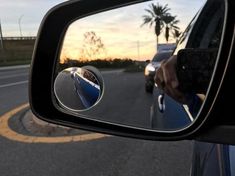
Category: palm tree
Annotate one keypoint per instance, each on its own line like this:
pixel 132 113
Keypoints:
pixel 176 34
pixel 170 25
pixel 155 16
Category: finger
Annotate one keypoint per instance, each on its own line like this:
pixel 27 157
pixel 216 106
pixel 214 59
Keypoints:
pixel 169 72
pixel 176 94
pixel 159 80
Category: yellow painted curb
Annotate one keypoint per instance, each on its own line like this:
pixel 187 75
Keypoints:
pixel 8 133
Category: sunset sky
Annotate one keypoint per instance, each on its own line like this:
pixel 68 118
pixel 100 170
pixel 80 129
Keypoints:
pixel 118 29
pixel 31 13
pixel 121 32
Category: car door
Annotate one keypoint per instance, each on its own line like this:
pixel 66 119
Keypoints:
pixel 211 158
pixel 203 32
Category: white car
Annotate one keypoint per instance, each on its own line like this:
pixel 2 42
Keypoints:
pixel 150 69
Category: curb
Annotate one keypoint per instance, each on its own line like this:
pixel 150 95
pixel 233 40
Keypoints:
pixel 41 122
pixel 13 129
pixel 14 67
pixel 39 127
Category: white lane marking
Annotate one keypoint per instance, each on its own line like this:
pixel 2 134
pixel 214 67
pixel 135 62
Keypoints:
pixel 13 84
pixel 12 76
pixel 14 67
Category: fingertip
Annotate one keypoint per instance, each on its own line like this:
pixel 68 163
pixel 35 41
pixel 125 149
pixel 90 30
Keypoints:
pixel 174 84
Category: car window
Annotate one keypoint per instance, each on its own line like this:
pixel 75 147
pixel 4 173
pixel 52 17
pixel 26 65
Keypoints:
pixel 207 35
pixel 207 31
pixel 161 56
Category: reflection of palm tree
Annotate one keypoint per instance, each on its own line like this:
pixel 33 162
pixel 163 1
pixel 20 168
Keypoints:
pixel 176 34
pixel 155 16
pixel 170 25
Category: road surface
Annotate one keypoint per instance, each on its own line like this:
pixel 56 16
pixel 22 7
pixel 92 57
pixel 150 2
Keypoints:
pixel 125 102
pixel 103 157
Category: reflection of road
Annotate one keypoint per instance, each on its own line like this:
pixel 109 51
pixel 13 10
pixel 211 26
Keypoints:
pixel 124 100
pixel 125 92
pixel 66 91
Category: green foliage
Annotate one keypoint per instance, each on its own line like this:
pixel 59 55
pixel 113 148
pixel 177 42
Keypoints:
pixel 170 25
pixel 92 46
pixel 176 34
pixel 16 52
pixel 101 64
pixel 160 17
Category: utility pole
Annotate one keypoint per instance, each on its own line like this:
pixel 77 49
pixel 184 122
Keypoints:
pixel 19 21
pixel 1 37
pixel 138 49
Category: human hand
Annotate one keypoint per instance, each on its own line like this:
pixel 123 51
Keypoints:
pixel 166 79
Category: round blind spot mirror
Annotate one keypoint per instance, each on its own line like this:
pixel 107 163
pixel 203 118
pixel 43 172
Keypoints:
pixel 77 89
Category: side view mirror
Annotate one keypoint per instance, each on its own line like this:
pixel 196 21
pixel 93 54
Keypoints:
pixel 90 71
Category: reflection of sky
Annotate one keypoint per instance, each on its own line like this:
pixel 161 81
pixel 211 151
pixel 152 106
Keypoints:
pixel 119 29
pixel 121 33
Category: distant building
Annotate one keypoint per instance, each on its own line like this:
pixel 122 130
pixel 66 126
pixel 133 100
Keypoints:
pixel 166 47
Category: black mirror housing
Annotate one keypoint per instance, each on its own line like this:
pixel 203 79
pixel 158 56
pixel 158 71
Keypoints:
pixel 214 123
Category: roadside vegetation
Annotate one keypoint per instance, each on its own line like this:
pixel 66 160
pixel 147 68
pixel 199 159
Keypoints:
pixel 127 65
pixel 159 16
pixel 16 51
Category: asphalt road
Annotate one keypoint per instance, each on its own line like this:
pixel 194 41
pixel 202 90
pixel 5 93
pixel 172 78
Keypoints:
pixel 65 91
pixel 106 156
pixel 13 88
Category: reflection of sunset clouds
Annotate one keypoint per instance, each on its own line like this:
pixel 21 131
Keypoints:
pixel 121 33
pixel 119 41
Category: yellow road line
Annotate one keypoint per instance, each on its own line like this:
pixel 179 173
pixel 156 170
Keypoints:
pixel 8 133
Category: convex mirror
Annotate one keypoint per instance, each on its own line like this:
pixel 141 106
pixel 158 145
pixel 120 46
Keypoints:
pixel 77 89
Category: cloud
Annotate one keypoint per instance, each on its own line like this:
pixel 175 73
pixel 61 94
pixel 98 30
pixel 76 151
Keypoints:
pixel 120 28
pixel 30 11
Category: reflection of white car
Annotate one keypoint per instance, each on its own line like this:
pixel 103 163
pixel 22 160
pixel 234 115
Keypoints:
pixel 150 69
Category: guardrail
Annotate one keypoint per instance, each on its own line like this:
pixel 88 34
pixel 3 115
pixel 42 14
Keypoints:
pixel 19 38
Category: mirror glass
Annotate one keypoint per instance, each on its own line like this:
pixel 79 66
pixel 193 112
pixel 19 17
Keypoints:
pixel 156 59
pixel 77 89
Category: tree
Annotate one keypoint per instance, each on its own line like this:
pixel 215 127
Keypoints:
pixel 170 25
pixel 155 16
pixel 176 33
pixel 92 46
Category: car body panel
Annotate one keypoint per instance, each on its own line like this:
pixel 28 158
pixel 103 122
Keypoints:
pixel 212 159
